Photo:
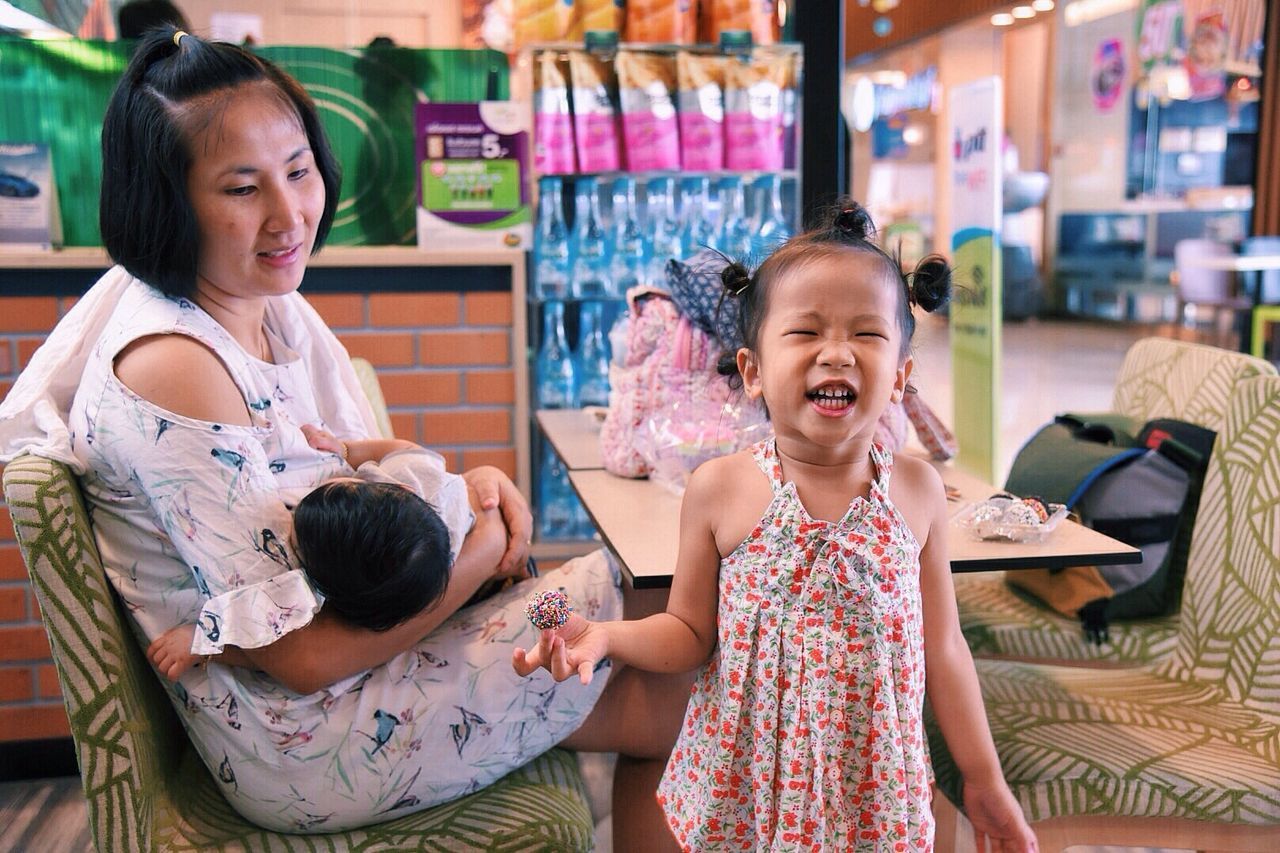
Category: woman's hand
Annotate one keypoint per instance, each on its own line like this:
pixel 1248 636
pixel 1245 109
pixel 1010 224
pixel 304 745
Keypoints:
pixel 995 816
pixel 495 490
pixel 576 647
pixel 320 439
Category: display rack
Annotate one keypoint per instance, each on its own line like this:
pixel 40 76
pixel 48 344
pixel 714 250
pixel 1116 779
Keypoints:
pixel 612 303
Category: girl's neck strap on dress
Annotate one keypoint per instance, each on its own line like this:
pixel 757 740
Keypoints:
pixel 765 454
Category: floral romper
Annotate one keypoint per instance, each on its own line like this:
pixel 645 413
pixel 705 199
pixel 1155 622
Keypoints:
pixel 804 731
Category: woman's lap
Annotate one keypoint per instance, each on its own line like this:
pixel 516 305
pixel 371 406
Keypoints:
pixel 444 719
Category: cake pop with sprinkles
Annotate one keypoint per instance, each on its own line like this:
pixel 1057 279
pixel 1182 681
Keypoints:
pixel 548 609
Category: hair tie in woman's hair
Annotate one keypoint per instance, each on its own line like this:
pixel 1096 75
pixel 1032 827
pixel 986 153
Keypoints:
pixel 177 37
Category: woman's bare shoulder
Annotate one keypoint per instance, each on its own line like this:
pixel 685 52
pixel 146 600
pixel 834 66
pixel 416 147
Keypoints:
pixel 180 374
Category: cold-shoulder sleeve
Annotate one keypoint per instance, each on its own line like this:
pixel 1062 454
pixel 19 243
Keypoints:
pixel 211 490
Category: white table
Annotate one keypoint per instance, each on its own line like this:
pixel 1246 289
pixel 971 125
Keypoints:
pixel 640 522
pixel 1235 263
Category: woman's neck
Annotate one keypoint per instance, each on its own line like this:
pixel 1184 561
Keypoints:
pixel 243 318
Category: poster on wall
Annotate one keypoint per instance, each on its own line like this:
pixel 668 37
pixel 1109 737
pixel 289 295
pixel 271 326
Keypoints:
pixel 1107 79
pixel 977 110
pixel 1206 54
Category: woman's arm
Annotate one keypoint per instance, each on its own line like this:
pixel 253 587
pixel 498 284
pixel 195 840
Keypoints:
pixel 678 640
pixel 180 375
pixel 952 683
pixel 495 490
pixel 329 649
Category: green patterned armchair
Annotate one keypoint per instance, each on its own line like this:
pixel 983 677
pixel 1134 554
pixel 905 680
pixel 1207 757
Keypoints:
pixel 146 786
pixel 1184 752
pixel 1159 378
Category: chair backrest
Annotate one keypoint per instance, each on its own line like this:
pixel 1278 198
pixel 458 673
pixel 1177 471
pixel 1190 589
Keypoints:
pixel 369 384
pixel 1164 378
pixel 1269 282
pixel 1196 283
pixel 1229 631
pixel 128 739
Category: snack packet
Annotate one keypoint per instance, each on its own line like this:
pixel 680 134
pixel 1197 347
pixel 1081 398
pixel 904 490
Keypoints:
pixel 595 15
pixel 701 110
pixel 541 21
pixel 594 115
pixel 553 152
pixel 754 104
pixel 662 21
pixel 646 88
pixel 759 17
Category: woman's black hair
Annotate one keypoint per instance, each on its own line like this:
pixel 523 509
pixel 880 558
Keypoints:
pixel 377 552
pixel 845 227
pixel 145 214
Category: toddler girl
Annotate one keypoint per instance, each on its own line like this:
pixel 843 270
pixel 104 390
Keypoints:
pixel 813 582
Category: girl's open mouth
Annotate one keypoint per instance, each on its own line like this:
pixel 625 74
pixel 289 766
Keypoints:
pixel 835 399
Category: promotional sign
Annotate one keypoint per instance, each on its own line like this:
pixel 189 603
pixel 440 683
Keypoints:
pixel 977 131
pixel 471 163
pixel 29 217
pixel 1108 77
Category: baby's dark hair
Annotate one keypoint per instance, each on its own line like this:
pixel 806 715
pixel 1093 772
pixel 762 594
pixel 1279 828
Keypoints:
pixel 377 552
pixel 844 227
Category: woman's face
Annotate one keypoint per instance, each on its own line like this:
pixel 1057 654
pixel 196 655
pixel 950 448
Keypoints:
pixel 256 194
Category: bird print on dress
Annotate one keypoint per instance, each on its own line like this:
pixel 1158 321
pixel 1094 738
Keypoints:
pixel 471 724
pixel 386 723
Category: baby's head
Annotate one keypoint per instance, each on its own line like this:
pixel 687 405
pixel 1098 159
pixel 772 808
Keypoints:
pixel 377 552
pixel 829 316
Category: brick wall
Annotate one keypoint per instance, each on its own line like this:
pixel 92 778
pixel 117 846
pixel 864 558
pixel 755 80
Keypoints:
pixel 444 361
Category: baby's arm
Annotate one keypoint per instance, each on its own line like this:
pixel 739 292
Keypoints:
pixel 171 653
pixel 356 451
pixel 952 683
pixel 678 640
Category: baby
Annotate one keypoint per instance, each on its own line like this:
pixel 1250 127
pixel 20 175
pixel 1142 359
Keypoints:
pixel 378 545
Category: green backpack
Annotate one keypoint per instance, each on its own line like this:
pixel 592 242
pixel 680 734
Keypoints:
pixel 1139 483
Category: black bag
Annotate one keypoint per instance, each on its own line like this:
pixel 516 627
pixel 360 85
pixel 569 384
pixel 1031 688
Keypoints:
pixel 1136 483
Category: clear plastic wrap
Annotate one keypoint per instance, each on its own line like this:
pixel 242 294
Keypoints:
pixel 681 437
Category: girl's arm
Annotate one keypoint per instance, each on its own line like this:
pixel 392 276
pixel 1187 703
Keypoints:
pixel 952 684
pixel 678 640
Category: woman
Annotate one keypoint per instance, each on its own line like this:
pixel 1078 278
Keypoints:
pixel 177 388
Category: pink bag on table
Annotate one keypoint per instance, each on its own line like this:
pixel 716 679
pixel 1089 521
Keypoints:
pixel 668 408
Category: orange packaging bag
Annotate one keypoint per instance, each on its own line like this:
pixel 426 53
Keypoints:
pixel 646 92
pixel 662 21
pixel 541 21
pixel 759 17
pixel 595 115
pixel 553 151
pixel 595 15
pixel 755 103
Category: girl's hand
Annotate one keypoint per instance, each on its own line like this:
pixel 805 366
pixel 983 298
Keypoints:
pixel 495 489
pixel 171 652
pixel 996 817
pixel 577 646
pixel 321 440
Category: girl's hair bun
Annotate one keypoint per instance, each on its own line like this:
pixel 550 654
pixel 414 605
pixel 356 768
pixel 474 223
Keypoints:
pixel 735 277
pixel 852 220
pixel 930 283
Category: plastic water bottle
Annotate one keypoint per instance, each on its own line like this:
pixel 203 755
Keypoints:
pixel 551 246
pixel 773 228
pixel 591 260
pixel 665 228
pixel 734 239
pixel 630 246
pixel 593 356
pixel 697 227
pixel 555 498
pixel 553 367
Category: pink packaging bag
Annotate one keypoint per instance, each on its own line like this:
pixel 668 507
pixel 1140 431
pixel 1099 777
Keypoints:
pixel 753 104
pixel 646 89
pixel 595 121
pixel 700 103
pixel 553 152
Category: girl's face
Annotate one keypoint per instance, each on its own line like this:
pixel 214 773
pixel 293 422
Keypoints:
pixel 827 358
pixel 256 194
